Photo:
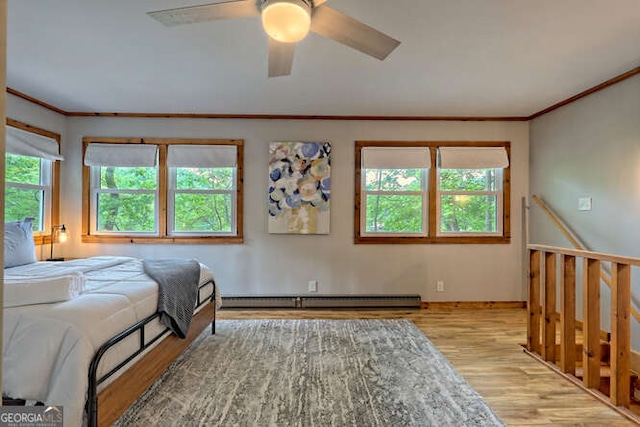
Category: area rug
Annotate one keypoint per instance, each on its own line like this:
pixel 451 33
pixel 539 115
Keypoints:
pixel 311 373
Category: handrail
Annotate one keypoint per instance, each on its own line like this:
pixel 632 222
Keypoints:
pixel 600 256
pixel 554 218
pixel 565 231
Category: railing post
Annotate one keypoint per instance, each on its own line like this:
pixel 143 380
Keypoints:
pixel 543 316
pixel 533 303
pixel 591 326
pixel 568 314
pixel 620 334
pixel 549 308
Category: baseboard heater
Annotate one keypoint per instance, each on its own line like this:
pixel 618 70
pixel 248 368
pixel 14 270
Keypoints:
pixel 259 302
pixel 323 301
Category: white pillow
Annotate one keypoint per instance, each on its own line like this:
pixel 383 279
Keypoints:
pixel 19 248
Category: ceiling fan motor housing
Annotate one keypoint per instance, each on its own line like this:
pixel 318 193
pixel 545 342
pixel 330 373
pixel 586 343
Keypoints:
pixel 286 21
pixel 303 3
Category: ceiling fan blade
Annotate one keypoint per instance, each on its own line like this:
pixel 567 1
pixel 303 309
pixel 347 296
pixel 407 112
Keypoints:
pixel 206 12
pixel 280 58
pixel 317 3
pixel 337 26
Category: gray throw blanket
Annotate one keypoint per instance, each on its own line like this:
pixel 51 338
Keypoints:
pixel 178 281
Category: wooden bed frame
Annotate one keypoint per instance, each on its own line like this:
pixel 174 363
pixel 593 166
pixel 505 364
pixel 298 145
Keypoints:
pixel 104 408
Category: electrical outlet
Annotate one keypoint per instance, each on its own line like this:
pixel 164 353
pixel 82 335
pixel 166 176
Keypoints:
pixel 313 286
pixel 439 286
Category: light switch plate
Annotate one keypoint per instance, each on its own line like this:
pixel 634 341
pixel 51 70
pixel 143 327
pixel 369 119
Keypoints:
pixel 584 204
pixel 313 286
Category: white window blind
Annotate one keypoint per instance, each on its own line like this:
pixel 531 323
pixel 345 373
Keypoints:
pixel 396 157
pixel 473 157
pixel 25 143
pixel 202 156
pixel 121 155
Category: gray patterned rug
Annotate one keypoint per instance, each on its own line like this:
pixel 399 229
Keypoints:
pixel 311 373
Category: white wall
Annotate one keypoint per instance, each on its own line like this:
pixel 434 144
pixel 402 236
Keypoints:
pixel 591 148
pixel 35 115
pixel 279 264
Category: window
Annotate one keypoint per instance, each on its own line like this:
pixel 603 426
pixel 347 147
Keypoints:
pixel 432 192
pixel 395 190
pixel 124 188
pixel 156 190
pixel 28 189
pixel 202 187
pixel 125 201
pixel 469 201
pixel 469 190
pixel 31 177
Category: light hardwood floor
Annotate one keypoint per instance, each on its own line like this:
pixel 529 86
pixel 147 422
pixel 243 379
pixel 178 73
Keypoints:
pixel 484 346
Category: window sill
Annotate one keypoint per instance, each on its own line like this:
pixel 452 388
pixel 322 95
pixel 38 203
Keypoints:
pixel 458 240
pixel 42 239
pixel 191 240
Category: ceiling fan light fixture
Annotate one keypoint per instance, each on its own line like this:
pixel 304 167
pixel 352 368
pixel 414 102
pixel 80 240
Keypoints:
pixel 286 21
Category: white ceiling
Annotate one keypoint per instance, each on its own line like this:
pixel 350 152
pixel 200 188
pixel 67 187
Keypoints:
pixel 457 58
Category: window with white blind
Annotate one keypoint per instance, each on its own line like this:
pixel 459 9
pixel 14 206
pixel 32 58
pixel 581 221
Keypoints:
pixel 394 188
pixel 124 188
pixel 202 188
pixel 432 192
pixel 469 190
pixel 31 170
pixel 150 190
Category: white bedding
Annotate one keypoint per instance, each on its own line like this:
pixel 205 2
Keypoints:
pixel 47 348
pixel 29 290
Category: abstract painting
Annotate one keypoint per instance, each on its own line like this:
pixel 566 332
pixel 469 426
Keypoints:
pixel 299 187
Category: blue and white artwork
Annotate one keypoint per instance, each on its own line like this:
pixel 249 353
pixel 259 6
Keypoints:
pixel 299 187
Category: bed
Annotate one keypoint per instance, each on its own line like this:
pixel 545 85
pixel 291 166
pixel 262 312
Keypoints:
pixel 91 345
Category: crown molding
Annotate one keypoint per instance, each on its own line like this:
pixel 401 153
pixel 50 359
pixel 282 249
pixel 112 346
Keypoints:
pixel 587 92
pixel 298 117
pixel 36 101
pixel 603 85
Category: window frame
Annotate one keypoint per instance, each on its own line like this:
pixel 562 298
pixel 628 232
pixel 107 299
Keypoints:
pixel 44 178
pixel 423 193
pixel 96 192
pixel 499 206
pixel 433 215
pixel 164 234
pixel 173 191
pixel 51 207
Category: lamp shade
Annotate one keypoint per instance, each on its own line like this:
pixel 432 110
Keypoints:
pixel 63 236
pixel 286 21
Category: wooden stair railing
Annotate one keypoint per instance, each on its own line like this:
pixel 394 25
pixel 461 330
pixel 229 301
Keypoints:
pixel 576 244
pixel 546 263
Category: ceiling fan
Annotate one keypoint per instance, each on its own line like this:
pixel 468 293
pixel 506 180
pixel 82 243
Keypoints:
pixel 287 22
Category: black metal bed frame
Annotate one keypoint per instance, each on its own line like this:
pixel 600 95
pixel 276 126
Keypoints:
pixel 94 381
